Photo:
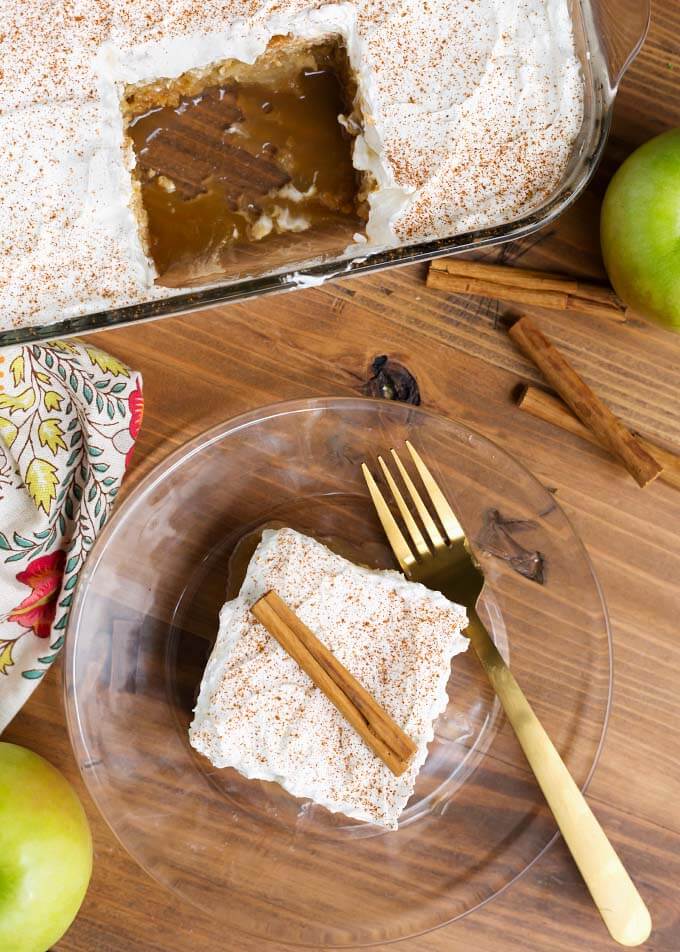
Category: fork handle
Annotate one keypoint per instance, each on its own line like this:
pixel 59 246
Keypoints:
pixel 614 893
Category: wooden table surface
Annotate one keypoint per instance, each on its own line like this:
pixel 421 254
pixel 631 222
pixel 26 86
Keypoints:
pixel 206 367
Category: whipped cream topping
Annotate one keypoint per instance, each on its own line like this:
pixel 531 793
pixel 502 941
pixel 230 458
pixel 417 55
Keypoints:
pixel 259 712
pixel 469 112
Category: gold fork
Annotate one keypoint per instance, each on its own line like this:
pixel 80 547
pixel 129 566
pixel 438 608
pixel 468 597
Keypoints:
pixel 444 563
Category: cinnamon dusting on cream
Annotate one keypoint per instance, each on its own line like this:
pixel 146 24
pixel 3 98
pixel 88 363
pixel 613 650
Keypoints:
pixel 260 713
pixel 468 111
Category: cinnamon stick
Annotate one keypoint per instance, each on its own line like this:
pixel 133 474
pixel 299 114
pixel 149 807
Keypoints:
pixel 548 407
pixel 587 406
pixel 525 286
pixel 385 738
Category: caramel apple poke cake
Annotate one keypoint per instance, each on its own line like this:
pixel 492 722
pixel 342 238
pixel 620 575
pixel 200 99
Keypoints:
pixel 260 713
pixel 151 147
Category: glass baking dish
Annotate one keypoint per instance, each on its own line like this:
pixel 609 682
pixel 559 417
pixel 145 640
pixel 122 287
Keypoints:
pixel 608 36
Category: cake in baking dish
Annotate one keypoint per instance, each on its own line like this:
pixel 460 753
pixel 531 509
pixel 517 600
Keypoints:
pixel 147 147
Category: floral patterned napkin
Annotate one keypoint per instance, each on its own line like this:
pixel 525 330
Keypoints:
pixel 69 417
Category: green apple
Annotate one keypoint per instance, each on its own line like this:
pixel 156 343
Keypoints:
pixel 640 230
pixel 45 852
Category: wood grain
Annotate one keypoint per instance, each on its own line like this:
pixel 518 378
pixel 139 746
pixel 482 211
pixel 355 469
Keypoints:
pixel 201 369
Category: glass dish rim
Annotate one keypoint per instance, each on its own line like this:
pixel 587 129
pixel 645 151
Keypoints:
pixel 159 472
pixel 243 289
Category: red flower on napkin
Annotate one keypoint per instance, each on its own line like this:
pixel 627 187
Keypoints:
pixel 38 609
pixel 136 407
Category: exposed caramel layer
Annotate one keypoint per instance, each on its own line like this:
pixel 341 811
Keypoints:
pixel 246 166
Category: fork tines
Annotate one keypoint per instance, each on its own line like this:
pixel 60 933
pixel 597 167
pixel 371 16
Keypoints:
pixel 407 555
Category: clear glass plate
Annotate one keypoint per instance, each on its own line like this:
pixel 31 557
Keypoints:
pixel 141 629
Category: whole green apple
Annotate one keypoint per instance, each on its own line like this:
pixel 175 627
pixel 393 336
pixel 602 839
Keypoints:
pixel 640 230
pixel 45 852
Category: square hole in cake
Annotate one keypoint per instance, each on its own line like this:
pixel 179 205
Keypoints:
pixel 244 168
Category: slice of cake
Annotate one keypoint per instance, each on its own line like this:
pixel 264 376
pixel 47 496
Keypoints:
pixel 259 712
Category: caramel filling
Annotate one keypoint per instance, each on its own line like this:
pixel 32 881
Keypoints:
pixel 246 165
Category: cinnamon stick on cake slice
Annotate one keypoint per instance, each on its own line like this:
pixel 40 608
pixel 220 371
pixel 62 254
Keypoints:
pixel 260 713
